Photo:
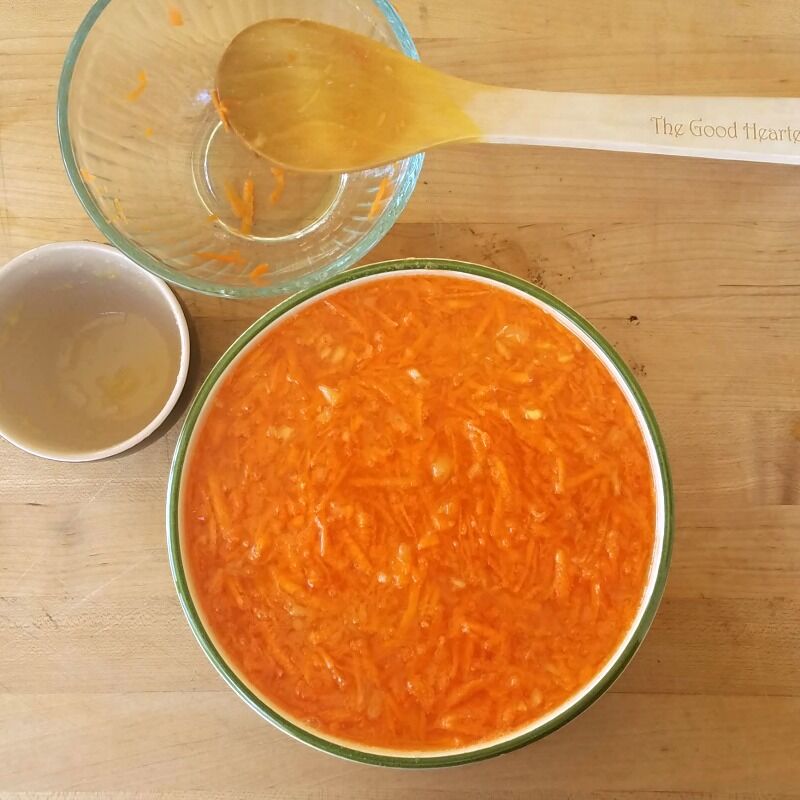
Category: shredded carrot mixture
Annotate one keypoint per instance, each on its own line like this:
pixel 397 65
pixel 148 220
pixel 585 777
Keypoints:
pixel 221 109
pixel 258 272
pixel 280 185
pixel 380 195
pixel 229 257
pixel 419 513
pixel 138 91
pixel 248 203
pixel 175 17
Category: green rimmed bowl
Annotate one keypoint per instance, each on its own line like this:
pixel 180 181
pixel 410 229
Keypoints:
pixel 152 164
pixel 663 520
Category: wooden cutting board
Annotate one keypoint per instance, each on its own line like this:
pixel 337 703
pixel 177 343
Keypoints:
pixel 690 267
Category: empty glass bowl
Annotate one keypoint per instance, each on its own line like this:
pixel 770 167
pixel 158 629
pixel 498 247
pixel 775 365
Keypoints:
pixel 152 163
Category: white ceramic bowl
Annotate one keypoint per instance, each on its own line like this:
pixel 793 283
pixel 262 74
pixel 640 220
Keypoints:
pixel 44 291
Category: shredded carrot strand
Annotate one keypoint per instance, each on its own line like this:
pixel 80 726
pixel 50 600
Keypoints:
pixel 248 203
pixel 258 272
pixel 235 200
pixel 377 203
pixel 280 185
pixel 137 92
pixel 221 109
pixel 175 17
pixel 230 257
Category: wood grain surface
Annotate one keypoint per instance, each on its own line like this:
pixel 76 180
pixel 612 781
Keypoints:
pixel 689 267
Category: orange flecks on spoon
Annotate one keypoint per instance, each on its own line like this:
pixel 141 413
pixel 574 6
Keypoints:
pixel 137 92
pixel 276 80
pixel 120 213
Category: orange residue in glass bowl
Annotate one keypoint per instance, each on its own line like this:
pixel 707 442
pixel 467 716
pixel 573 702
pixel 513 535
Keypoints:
pixel 419 514
pixel 221 109
pixel 279 174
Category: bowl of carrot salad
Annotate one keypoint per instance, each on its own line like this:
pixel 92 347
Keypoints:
pixel 420 515
pixel 149 152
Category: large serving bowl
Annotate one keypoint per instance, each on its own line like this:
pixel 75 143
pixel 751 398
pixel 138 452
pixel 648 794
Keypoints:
pixel 149 158
pixel 662 493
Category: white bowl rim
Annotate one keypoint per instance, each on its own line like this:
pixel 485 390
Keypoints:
pixel 579 701
pixel 94 249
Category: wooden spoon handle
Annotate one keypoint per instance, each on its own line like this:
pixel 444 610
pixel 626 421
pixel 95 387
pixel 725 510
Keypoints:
pixel 740 128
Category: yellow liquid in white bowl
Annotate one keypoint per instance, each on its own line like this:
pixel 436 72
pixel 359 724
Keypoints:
pixel 113 367
pixel 88 357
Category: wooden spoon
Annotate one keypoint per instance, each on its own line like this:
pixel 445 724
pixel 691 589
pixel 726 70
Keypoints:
pixel 314 97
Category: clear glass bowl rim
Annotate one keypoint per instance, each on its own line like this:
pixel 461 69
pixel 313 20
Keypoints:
pixel 351 751
pixel 392 210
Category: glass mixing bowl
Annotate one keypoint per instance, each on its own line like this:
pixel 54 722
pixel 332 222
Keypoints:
pixel 153 165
